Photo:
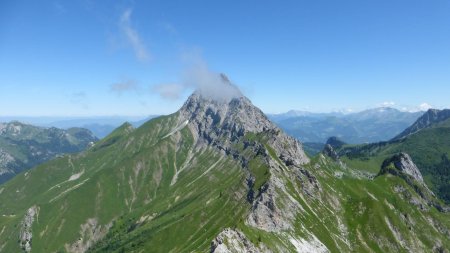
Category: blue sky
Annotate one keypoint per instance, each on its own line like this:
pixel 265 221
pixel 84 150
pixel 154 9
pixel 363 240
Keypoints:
pixel 85 58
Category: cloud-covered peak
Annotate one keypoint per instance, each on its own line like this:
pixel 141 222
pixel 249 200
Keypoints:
pixel 211 85
pixel 205 82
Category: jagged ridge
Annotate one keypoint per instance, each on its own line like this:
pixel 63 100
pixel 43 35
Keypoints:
pixel 429 118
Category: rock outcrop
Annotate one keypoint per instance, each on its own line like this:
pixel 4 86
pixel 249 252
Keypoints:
pixel 90 233
pixel 401 164
pixel 265 213
pixel 328 150
pixel 234 241
pixel 26 232
pixel 335 142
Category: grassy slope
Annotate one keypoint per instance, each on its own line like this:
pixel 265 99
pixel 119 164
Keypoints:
pixel 352 211
pixel 126 183
pixel 425 147
pixel 124 186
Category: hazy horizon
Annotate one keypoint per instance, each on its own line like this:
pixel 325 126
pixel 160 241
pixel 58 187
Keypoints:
pixel 47 118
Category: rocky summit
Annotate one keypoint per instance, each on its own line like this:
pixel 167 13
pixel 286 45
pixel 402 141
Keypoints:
pixel 216 176
pixel 402 163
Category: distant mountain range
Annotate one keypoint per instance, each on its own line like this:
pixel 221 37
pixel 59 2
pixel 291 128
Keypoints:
pixel 100 126
pixel 24 146
pixel 297 113
pixel 373 125
pixel 378 124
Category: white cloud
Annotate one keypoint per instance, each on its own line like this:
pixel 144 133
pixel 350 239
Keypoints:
pixel 133 37
pixel 419 108
pixel 199 77
pixel 387 104
pixel 424 106
pixel 210 84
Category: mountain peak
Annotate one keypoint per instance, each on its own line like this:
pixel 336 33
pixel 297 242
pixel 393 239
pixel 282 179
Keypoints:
pixel 221 122
pixel 221 105
pixel 237 115
pixel 241 131
pixel 217 87
pixel 428 119
pixel 335 142
pixel 401 163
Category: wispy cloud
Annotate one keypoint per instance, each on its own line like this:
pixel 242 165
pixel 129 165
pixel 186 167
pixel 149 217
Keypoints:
pixel 124 86
pixel 171 91
pixel 133 37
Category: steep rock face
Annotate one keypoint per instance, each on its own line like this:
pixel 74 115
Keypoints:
pixel 26 234
pixel 266 214
pixel 234 241
pixel 222 122
pixel 431 117
pixel 403 164
pixel 328 150
pixel 5 160
pixel 90 233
